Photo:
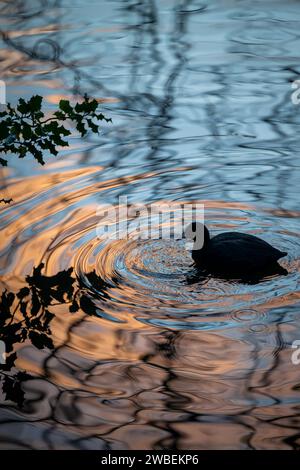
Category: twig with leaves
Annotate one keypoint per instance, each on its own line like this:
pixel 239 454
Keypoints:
pixel 23 130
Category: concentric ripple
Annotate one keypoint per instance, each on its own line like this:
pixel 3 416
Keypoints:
pixel 154 280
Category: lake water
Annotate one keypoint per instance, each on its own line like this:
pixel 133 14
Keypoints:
pixel 141 356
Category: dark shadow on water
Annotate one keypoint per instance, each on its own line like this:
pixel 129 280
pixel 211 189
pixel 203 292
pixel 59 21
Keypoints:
pixel 201 276
pixel 26 316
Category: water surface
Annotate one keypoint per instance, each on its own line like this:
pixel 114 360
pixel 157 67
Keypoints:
pixel 200 97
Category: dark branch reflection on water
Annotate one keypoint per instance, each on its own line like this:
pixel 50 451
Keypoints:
pixel 136 351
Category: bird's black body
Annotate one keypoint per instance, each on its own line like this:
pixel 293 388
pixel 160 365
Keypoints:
pixel 235 254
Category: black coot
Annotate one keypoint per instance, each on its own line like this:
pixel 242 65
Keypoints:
pixel 232 253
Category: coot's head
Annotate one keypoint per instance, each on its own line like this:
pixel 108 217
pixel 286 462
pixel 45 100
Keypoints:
pixel 199 233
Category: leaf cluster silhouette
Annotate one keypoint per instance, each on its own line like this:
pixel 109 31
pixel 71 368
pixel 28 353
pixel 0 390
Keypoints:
pixel 26 316
pixel 24 129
